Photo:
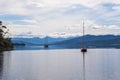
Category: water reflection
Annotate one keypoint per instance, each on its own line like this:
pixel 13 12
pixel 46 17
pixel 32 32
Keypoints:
pixel 1 64
pixel 60 65
pixel 5 65
pixel 84 65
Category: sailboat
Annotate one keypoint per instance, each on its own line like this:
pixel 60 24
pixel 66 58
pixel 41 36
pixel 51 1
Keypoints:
pixel 83 49
pixel 46 43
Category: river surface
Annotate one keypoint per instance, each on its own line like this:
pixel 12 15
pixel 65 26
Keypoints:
pixel 62 64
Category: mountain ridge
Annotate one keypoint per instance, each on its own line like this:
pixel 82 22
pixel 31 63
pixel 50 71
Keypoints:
pixel 92 41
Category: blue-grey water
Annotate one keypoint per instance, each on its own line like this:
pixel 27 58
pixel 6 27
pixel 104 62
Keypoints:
pixel 64 64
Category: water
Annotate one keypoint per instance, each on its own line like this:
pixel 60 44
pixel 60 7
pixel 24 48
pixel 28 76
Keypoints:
pixel 67 64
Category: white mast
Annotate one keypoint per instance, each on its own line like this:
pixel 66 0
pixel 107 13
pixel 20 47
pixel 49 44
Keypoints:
pixel 83 35
pixel 83 38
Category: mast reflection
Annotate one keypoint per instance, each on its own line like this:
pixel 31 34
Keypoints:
pixel 84 76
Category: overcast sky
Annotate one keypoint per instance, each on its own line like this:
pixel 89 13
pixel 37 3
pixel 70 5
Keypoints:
pixel 60 17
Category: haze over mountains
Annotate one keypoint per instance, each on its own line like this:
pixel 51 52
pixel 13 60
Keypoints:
pixel 91 41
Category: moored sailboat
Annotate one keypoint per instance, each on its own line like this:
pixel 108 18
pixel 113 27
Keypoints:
pixel 83 49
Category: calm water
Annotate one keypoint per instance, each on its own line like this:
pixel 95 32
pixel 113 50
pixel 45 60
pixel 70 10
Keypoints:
pixel 96 64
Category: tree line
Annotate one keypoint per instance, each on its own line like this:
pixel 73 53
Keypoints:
pixel 5 43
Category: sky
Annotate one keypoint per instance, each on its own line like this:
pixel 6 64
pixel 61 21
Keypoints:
pixel 60 17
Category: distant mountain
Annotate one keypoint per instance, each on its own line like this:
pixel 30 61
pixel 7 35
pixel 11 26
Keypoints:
pixel 37 40
pixel 91 41
pixel 108 43
pixel 100 37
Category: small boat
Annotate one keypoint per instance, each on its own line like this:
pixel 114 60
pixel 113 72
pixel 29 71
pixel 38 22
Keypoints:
pixel 45 45
pixel 83 49
pixel 46 42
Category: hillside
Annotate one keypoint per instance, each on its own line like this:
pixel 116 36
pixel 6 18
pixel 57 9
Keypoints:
pixel 91 41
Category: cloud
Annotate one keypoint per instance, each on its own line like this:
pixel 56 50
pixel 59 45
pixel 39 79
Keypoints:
pixel 117 8
pixel 57 16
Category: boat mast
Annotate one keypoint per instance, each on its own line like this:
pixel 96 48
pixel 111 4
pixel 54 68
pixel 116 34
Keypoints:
pixel 83 35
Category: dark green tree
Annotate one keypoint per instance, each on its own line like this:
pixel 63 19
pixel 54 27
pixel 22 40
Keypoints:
pixel 3 30
pixel 5 43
